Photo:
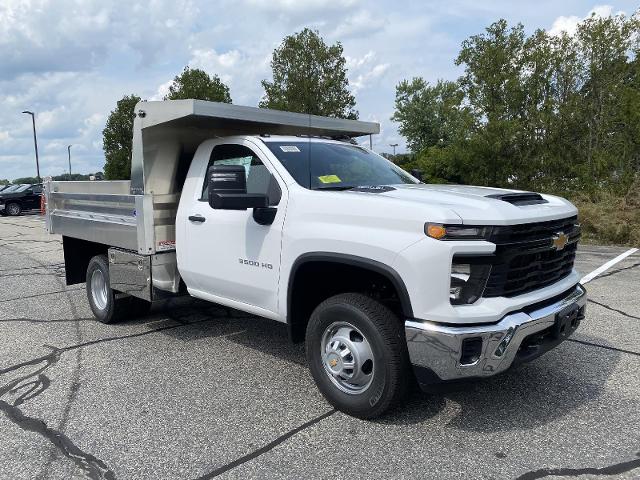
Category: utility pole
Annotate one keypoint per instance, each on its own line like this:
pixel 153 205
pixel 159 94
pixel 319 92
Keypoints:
pixel 35 141
pixel 394 145
pixel 69 152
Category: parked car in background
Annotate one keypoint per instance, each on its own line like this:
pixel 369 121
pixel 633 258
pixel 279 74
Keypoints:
pixel 20 198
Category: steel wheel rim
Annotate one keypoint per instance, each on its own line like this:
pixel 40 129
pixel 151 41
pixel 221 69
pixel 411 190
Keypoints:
pixel 99 291
pixel 347 358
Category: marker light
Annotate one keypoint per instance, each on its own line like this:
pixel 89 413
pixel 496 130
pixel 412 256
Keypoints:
pixel 435 231
pixel 456 232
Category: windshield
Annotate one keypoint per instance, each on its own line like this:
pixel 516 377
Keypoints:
pixel 21 188
pixel 11 188
pixel 336 166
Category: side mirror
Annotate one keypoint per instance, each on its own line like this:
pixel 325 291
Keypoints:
pixel 228 189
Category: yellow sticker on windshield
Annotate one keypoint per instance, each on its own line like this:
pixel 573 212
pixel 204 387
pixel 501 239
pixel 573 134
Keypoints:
pixel 330 179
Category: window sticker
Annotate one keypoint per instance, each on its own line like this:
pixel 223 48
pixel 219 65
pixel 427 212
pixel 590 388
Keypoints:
pixel 330 179
pixel 289 148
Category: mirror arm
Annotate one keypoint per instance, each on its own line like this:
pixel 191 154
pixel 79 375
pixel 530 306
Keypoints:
pixel 264 215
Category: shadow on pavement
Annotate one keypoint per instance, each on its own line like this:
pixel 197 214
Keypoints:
pixel 525 397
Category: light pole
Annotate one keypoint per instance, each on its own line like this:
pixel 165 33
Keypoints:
pixel 69 152
pixel 394 145
pixel 35 141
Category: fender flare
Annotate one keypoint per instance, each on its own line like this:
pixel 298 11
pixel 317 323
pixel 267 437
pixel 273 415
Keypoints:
pixel 356 261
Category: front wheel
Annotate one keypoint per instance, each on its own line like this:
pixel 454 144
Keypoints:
pixel 357 354
pixel 13 209
pixel 107 305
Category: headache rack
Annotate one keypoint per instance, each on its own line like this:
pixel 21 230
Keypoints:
pixel 139 215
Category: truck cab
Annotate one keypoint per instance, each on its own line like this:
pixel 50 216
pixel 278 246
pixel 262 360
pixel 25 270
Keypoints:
pixel 286 216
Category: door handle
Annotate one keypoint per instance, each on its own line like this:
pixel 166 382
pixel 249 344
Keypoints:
pixel 197 218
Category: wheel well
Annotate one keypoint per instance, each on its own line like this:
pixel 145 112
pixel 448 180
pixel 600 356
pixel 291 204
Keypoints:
pixel 314 280
pixel 77 254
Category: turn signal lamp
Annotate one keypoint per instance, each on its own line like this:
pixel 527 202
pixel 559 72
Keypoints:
pixel 435 231
pixel 457 232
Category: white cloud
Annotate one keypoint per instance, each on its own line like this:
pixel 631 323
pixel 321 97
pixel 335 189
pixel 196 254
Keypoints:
pixel 301 5
pixel 163 90
pixel 241 70
pixel 364 70
pixel 569 24
pixel 359 24
pixel 78 35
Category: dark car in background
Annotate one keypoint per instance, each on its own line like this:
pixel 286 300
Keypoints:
pixel 20 198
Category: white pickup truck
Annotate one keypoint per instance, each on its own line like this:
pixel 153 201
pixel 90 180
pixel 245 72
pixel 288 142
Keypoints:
pixel 283 215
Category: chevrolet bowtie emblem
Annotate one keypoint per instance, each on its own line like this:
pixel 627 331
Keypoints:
pixel 559 241
pixel 333 362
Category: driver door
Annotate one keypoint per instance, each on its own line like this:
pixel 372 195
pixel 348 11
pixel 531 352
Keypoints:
pixel 230 256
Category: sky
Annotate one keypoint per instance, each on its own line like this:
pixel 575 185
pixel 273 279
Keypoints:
pixel 69 61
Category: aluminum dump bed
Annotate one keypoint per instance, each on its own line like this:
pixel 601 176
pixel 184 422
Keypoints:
pixel 139 214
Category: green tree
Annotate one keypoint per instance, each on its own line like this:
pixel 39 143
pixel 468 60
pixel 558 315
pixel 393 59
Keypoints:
pixel 309 76
pixel 556 113
pixel 117 137
pixel 430 115
pixel 4 181
pixel 25 180
pixel 198 84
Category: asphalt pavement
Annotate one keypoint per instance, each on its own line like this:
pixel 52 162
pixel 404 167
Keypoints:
pixel 195 390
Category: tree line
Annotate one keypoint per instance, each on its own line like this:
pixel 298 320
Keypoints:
pixel 557 113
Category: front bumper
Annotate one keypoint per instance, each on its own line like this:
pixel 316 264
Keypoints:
pixel 444 352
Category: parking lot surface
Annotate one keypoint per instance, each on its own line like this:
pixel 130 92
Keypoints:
pixel 195 390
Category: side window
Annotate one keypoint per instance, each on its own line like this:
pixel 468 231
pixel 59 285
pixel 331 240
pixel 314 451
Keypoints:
pixel 259 179
pixel 37 190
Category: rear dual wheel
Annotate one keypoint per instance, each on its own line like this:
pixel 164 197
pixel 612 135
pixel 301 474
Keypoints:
pixel 107 305
pixel 357 354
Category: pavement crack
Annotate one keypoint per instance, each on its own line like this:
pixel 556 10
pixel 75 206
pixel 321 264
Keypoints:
pixel 92 466
pixel 33 383
pixel 35 321
pixel 606 347
pixel 40 295
pixel 614 309
pixel 44 266
pixel 613 272
pixel 615 469
pixel 268 447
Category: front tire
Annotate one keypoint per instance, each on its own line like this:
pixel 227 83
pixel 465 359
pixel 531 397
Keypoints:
pixel 357 354
pixel 13 209
pixel 105 305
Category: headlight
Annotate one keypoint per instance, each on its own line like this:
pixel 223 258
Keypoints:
pixel 457 232
pixel 467 281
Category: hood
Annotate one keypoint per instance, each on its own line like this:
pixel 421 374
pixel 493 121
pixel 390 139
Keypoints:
pixel 481 205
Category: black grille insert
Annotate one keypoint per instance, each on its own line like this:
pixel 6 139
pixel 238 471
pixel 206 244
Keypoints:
pixel 532 256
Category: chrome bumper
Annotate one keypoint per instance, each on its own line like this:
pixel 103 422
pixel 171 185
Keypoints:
pixel 438 348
